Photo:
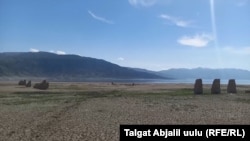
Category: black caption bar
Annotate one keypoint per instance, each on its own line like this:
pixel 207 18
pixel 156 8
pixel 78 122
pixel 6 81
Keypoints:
pixel 177 132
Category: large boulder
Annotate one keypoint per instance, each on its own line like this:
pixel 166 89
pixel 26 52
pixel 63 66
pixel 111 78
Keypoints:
pixel 198 87
pixel 216 87
pixel 22 82
pixel 44 85
pixel 231 87
pixel 28 84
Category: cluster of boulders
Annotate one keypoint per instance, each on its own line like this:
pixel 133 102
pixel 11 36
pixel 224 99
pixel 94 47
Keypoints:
pixel 215 89
pixel 24 83
pixel 125 84
pixel 42 86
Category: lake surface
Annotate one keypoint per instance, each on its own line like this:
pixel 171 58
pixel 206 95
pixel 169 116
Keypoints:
pixel 165 81
pixel 204 81
pixel 160 81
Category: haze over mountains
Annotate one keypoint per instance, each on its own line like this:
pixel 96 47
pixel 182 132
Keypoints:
pixel 73 67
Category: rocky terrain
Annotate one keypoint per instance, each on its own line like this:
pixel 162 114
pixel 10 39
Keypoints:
pixel 94 111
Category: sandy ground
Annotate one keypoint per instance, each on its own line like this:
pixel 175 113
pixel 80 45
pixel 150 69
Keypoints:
pixel 94 111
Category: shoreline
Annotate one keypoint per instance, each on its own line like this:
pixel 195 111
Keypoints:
pixel 137 81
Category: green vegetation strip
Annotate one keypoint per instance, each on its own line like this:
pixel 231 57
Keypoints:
pixel 28 97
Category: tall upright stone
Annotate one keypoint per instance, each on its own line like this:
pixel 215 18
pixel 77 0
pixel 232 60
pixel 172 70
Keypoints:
pixel 198 88
pixel 231 87
pixel 216 87
pixel 28 84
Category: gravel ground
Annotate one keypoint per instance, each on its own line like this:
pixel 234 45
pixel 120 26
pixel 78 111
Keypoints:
pixel 68 117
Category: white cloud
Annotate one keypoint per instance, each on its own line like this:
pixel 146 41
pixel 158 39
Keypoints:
pixel 144 3
pixel 100 18
pixel 199 40
pixel 120 59
pixel 177 21
pixel 237 50
pixel 58 52
pixel 34 50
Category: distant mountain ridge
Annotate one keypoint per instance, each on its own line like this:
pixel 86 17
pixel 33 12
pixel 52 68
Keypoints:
pixel 74 67
pixel 44 64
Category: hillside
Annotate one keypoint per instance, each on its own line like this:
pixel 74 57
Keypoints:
pixel 44 64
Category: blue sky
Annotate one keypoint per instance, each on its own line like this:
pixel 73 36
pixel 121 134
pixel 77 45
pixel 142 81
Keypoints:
pixel 150 34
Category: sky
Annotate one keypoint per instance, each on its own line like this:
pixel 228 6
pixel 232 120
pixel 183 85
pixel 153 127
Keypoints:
pixel 150 34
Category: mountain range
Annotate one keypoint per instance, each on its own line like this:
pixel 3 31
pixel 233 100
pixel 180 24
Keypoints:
pixel 44 64
pixel 74 67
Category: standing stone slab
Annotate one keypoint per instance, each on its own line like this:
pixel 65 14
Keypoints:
pixel 231 87
pixel 216 87
pixel 198 88
pixel 28 84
